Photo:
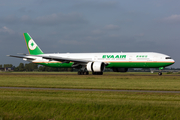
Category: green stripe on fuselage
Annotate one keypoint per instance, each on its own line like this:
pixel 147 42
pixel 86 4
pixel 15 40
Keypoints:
pixel 115 64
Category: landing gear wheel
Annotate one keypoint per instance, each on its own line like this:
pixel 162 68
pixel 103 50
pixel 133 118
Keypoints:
pixel 80 72
pixel 86 73
pixel 83 73
pixel 159 73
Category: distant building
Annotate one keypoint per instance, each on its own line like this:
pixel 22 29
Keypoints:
pixel 7 69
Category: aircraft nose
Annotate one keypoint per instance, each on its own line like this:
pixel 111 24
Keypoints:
pixel 173 60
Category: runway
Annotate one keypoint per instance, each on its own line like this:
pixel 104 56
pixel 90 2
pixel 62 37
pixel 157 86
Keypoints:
pixel 70 74
pixel 98 90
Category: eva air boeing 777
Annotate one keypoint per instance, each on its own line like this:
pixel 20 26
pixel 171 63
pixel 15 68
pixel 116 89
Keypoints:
pixel 95 62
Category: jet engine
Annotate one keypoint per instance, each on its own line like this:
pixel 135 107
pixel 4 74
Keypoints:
pixel 96 66
pixel 120 69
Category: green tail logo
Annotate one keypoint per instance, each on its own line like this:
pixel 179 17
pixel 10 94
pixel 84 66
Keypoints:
pixel 31 45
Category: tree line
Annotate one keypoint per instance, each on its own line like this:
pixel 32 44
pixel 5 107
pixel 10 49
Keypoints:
pixel 34 67
pixel 6 66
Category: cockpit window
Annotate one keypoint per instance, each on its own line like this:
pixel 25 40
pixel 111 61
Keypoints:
pixel 168 58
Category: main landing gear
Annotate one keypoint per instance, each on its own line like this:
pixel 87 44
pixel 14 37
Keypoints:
pixel 83 72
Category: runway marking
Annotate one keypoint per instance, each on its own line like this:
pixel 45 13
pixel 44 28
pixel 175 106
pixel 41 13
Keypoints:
pixel 99 90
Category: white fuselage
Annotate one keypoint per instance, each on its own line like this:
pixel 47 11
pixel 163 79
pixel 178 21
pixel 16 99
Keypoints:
pixel 112 57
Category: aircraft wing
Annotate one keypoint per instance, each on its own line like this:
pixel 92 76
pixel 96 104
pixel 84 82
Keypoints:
pixel 76 63
pixel 55 58
pixel 67 60
pixel 64 60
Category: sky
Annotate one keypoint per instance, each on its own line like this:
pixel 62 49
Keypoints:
pixel 79 26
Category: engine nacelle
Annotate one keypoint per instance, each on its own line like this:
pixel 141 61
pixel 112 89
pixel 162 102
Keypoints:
pixel 96 66
pixel 120 69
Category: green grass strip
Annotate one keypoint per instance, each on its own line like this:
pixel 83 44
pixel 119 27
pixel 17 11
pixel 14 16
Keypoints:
pixel 71 105
pixel 107 81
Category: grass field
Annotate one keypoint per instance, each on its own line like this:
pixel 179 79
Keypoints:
pixel 50 104
pixel 107 81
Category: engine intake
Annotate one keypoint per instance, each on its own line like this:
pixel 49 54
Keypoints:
pixel 96 66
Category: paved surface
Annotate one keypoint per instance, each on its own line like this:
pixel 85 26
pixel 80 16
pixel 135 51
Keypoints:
pixel 70 74
pixel 101 90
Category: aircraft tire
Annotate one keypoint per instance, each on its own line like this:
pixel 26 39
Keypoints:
pixel 83 73
pixel 80 72
pixel 159 73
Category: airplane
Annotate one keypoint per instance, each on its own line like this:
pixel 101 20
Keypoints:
pixel 95 62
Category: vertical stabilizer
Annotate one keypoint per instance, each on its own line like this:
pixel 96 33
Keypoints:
pixel 32 47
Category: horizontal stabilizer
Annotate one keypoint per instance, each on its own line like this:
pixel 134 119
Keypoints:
pixel 21 57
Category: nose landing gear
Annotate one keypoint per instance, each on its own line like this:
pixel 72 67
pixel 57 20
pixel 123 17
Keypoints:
pixel 160 73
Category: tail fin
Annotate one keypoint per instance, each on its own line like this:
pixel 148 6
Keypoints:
pixel 31 45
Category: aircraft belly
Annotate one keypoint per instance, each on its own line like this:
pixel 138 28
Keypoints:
pixel 138 64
